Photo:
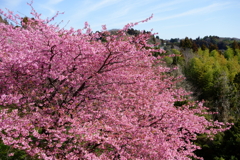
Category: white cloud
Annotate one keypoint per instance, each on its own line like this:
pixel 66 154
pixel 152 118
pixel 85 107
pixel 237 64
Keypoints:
pixel 101 4
pixel 50 7
pixel 178 26
pixel 167 4
pixel 203 10
pixel 88 7
pixel 132 8
pixel 13 3
pixel 120 13
pixel 55 1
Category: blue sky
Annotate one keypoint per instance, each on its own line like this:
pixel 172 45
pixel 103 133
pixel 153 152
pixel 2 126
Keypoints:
pixel 172 18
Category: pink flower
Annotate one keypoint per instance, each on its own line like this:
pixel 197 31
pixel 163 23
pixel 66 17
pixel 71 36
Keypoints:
pixel 11 154
pixel 104 28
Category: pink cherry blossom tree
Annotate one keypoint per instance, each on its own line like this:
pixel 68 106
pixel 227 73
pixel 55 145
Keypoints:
pixel 65 94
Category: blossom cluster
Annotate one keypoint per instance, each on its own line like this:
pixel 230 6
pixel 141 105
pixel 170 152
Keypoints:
pixel 65 94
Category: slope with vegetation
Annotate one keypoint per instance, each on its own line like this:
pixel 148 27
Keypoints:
pixel 75 94
pixel 212 72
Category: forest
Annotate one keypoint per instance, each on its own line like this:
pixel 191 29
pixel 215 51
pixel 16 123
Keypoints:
pixel 209 69
pixel 212 72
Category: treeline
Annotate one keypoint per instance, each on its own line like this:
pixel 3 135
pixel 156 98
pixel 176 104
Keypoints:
pixel 211 66
pixel 153 39
pixel 213 76
pixel 207 42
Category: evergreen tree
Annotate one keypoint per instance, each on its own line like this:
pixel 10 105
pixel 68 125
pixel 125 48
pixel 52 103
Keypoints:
pixel 213 47
pixel 235 45
pixel 203 47
pixel 188 42
pixel 194 46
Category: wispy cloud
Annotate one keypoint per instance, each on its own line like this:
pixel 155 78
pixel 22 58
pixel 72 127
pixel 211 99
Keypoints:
pixel 202 10
pixel 179 26
pixel 117 13
pixel 55 1
pixel 49 8
pixel 166 6
pixel 120 13
pixel 90 7
pixel 102 4
pixel 135 13
pixel 13 3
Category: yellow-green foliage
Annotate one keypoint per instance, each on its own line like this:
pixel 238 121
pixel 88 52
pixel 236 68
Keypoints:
pixel 213 62
pixel 168 60
pixel 229 53
pixel 206 67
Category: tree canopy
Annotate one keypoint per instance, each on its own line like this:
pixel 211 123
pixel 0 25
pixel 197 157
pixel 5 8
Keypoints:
pixel 64 94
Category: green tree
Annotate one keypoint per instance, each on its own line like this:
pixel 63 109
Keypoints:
pixel 237 79
pixel 203 47
pixel 182 43
pixel 231 142
pixel 194 47
pixel 224 147
pixel 178 59
pixel 188 42
pixel 229 53
pixel 235 45
pixel 213 47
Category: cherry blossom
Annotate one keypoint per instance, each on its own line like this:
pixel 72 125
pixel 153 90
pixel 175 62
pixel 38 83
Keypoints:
pixel 65 94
